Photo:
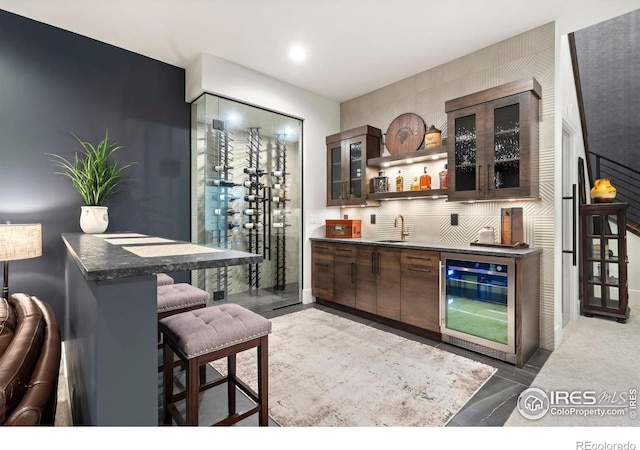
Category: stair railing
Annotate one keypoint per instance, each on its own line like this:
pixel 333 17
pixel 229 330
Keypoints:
pixel 625 179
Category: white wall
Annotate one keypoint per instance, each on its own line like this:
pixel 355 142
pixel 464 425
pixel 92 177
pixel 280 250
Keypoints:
pixel 321 118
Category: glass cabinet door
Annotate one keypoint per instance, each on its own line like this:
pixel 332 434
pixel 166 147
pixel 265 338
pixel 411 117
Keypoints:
pixel 337 183
pixel 466 144
pixel 506 147
pixel 355 169
pixel 601 270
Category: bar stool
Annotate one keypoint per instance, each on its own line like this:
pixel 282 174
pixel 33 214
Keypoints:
pixel 176 299
pixel 164 279
pixel 201 336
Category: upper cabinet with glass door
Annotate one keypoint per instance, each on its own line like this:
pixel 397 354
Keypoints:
pixel 347 154
pixel 493 143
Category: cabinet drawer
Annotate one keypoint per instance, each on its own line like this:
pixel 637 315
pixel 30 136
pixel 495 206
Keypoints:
pixel 344 253
pixel 322 250
pixel 420 261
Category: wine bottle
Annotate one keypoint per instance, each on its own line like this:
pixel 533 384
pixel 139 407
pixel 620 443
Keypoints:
pixel 278 199
pixel 253 171
pixel 253 198
pixel 251 212
pixel 253 225
pixel 223 183
pixel 279 173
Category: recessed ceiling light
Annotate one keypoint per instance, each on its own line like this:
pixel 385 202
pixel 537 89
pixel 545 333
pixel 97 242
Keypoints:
pixel 297 53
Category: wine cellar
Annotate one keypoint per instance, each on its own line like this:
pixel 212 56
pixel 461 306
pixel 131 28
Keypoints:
pixel 245 164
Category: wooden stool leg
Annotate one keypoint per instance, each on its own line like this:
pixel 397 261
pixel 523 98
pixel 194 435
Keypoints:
pixel 167 383
pixel 263 381
pixel 231 385
pixel 193 391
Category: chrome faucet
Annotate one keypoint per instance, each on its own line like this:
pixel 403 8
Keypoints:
pixel 403 232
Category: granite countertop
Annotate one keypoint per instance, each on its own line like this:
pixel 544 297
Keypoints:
pixel 120 255
pixel 440 247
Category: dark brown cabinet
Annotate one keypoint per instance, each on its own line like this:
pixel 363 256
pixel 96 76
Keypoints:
pixel 420 289
pixel 604 260
pixel 378 280
pixel 493 143
pixel 344 275
pixel 347 154
pixel 322 270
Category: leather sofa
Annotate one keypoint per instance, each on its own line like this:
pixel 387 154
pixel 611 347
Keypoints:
pixel 30 347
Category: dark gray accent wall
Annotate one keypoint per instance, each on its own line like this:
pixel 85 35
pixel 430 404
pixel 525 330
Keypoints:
pixel 609 63
pixel 52 83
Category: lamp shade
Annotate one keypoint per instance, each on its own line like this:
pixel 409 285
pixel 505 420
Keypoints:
pixel 20 241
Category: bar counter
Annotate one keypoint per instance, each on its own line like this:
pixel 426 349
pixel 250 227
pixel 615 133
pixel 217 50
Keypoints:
pixel 111 320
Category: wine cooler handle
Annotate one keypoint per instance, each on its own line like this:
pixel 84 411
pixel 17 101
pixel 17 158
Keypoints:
pixel 353 274
pixel 480 178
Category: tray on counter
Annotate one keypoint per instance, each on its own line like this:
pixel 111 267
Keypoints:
pixel 516 245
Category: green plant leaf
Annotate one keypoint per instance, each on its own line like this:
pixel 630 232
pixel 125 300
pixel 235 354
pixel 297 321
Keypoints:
pixel 94 172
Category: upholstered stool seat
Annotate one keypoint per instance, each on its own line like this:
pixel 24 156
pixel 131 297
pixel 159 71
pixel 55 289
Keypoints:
pixel 164 279
pixel 180 297
pixel 200 336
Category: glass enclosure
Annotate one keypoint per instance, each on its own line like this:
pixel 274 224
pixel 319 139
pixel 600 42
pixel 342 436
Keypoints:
pixel 478 300
pixel 246 195
pixel 337 185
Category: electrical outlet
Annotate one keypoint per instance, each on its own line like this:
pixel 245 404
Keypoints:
pixel 346 217
pixel 454 219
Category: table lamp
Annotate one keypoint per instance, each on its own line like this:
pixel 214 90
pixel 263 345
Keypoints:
pixel 18 241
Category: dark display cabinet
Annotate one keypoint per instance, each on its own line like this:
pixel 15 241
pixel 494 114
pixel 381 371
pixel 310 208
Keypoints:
pixel 347 154
pixel 493 143
pixel 604 260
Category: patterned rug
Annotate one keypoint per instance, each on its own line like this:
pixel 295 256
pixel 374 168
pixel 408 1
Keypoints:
pixel 325 370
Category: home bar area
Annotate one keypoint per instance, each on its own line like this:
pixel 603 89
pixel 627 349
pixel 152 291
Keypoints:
pixel 112 320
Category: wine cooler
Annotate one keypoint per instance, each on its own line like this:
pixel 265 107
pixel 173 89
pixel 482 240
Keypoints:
pixel 478 304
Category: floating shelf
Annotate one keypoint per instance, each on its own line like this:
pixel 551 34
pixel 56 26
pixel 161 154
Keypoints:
pixel 414 157
pixel 407 195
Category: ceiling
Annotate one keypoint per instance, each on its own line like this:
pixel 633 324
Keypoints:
pixel 353 46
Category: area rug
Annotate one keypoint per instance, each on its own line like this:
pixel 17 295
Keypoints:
pixel 325 370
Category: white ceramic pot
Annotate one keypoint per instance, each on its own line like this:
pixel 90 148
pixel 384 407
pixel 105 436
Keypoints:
pixel 486 235
pixel 94 219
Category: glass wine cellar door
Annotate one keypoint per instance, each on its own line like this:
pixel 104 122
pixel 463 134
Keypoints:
pixel 478 300
pixel 246 195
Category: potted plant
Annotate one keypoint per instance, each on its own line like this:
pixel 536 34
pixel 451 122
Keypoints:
pixel 96 175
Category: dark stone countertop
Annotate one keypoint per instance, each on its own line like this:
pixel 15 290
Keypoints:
pixel 100 260
pixel 441 247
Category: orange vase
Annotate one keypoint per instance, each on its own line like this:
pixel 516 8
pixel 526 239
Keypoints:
pixel 603 191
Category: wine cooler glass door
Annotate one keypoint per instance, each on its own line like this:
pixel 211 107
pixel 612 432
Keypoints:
pixel 478 300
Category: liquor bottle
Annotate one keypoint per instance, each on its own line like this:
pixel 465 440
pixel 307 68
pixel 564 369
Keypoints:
pixel 399 182
pixel 444 178
pixel 415 186
pixel 425 181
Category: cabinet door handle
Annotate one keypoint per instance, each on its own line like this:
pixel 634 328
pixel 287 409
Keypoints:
pixel 418 269
pixel 419 258
pixel 480 178
pixel 322 264
pixel 353 272
pixel 574 200
pixel 347 250
pixel 379 259
pixel 322 248
pixel 373 263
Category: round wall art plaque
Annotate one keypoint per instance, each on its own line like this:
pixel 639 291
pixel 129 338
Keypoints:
pixel 405 134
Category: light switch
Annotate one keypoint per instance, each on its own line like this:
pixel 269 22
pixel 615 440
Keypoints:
pixel 373 219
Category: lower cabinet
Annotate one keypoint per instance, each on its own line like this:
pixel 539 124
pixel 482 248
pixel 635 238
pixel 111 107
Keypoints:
pixel 344 275
pixel 420 289
pixel 322 270
pixel 378 280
